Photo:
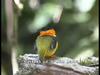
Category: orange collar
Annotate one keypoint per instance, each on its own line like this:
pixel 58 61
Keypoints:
pixel 50 32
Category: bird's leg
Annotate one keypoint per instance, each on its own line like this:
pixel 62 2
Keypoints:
pixel 43 60
pixel 47 59
pixel 51 58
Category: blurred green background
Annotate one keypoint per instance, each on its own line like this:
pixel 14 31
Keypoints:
pixel 75 21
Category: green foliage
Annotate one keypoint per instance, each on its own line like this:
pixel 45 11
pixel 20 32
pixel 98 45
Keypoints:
pixel 90 61
pixel 75 25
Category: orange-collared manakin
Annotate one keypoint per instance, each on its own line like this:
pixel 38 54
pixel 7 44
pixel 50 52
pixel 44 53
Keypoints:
pixel 47 44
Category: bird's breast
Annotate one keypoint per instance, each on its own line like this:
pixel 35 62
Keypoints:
pixel 46 46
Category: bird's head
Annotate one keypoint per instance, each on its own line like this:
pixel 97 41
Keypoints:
pixel 50 32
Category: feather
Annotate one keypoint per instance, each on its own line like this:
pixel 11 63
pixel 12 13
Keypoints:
pixel 50 32
pixel 53 43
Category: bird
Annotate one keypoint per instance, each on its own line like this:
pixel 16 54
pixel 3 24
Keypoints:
pixel 47 44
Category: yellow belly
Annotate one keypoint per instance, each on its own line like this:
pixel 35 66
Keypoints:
pixel 46 53
pixel 43 46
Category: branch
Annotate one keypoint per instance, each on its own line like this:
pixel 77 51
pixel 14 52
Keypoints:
pixel 11 33
pixel 29 64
